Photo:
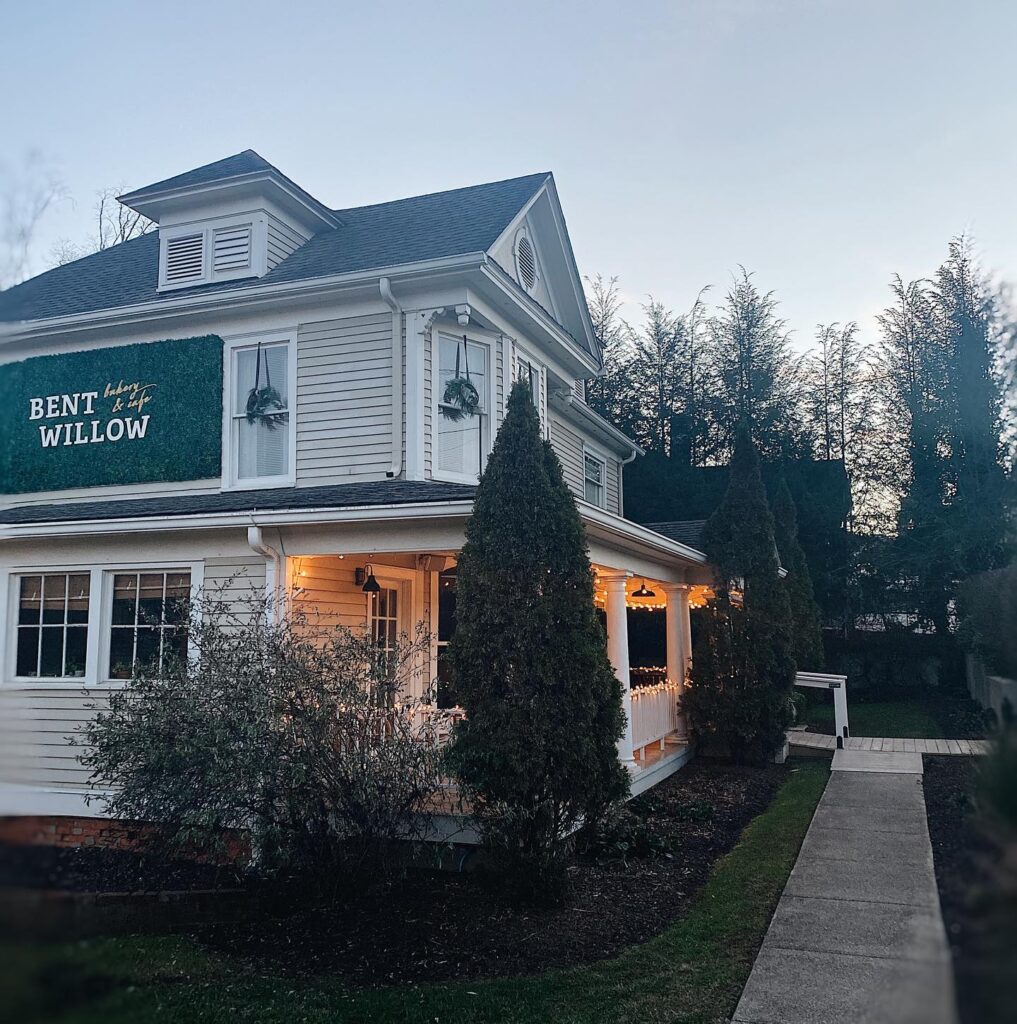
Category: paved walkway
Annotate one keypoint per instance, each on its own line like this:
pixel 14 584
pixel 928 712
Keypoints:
pixel 858 937
pixel 819 741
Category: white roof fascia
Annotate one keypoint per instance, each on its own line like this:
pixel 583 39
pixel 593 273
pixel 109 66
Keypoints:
pixel 232 298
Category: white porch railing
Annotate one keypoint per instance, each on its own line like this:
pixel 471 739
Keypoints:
pixel 654 714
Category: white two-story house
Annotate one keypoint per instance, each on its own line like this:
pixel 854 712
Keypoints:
pixel 255 395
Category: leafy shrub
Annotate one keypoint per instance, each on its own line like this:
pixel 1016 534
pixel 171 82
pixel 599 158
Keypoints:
pixel 622 835
pixel 304 737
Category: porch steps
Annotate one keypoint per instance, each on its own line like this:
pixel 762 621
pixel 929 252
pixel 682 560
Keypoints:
pixel 819 741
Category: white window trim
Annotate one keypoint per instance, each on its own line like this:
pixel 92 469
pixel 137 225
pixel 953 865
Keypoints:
pixel 592 453
pixel 100 615
pixel 230 482
pixel 523 355
pixel 473 338
pixel 259 249
pixel 410 586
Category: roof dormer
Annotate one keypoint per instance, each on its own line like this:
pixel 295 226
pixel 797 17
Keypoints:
pixel 232 219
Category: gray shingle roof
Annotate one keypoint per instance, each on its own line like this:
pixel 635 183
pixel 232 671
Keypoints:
pixel 353 495
pixel 462 221
pixel 230 166
pixel 687 531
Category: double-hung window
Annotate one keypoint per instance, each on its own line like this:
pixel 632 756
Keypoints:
pixel 52 628
pixel 148 622
pixel 462 427
pixel 594 476
pixel 261 419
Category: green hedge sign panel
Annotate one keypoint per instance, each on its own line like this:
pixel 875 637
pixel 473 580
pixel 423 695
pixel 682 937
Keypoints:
pixel 125 415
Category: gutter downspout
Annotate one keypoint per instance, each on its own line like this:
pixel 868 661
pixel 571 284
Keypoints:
pixel 631 457
pixel 273 569
pixel 385 286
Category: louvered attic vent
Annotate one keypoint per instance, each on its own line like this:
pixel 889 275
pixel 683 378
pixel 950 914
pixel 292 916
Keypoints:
pixel 185 259
pixel 526 262
pixel 231 248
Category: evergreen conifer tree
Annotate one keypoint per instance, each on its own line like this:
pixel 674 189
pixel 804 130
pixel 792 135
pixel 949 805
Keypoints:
pixel 742 663
pixel 537 752
pixel 807 630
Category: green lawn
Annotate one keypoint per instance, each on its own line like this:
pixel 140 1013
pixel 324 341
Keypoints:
pixel 692 972
pixel 893 718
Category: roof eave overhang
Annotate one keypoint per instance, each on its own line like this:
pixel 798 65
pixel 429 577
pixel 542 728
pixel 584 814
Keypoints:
pixel 246 297
pixel 148 202
pixel 579 411
pixel 247 517
pixel 497 285
pixel 619 533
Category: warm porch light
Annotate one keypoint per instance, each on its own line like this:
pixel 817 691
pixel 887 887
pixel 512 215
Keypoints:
pixel 369 584
pixel 643 591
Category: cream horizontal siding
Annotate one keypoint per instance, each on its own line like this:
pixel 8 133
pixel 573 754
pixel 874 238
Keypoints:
pixel 344 400
pixel 568 446
pixel 567 442
pixel 35 730
pixel 326 592
pixel 238 583
pixel 282 240
pixel 614 470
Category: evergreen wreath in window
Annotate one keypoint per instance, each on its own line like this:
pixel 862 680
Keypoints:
pixel 461 397
pixel 265 404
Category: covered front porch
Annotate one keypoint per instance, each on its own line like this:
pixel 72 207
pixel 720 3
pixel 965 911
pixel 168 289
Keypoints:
pixel 390 587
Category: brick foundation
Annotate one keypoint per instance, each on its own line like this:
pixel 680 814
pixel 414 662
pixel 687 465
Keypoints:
pixel 98 832
pixel 67 831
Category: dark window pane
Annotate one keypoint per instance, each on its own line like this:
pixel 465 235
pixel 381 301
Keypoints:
pixel 52 651
pixel 28 651
pixel 121 652
pixel 150 598
pixel 31 599
pixel 77 598
pixel 178 597
pixel 77 640
pixel 175 644
pixel 54 589
pixel 148 645
pixel 446 605
pixel 125 595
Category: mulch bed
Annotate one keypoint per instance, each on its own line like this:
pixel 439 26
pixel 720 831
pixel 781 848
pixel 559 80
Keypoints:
pixel 978 897
pixel 438 926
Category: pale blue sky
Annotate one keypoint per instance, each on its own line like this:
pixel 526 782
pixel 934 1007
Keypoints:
pixel 824 144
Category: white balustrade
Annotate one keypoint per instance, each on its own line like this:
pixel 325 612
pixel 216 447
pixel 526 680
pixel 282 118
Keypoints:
pixel 654 714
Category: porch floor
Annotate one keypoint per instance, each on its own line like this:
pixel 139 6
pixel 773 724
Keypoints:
pixel 657 765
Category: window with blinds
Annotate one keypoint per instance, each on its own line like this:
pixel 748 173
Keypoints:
pixel 262 424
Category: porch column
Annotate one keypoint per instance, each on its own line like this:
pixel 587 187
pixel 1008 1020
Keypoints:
pixel 618 653
pixel 678 628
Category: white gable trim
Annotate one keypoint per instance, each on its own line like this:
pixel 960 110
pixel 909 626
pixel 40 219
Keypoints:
pixel 520 221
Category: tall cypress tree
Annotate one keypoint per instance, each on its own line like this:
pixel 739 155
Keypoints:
pixel 806 628
pixel 537 752
pixel 742 663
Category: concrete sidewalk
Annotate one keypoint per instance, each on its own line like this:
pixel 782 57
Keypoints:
pixel 858 935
